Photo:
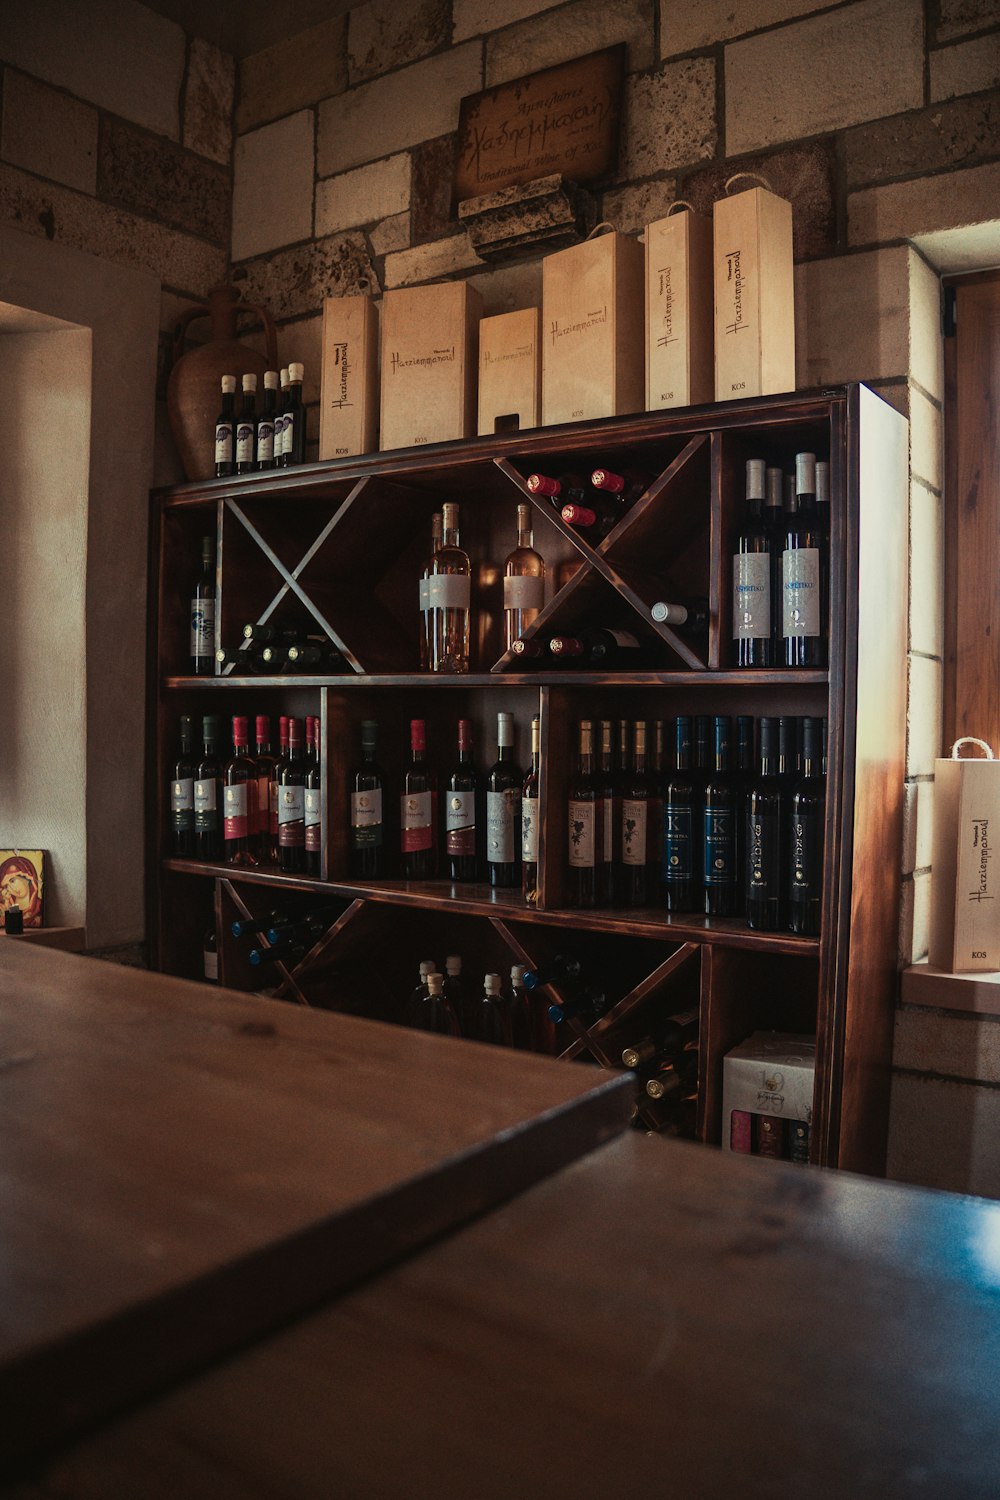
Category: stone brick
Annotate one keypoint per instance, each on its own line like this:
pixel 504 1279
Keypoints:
pixel 303 341
pixel 965 69
pixel 48 133
pixel 926 440
pixel 669 118
pixel 152 176
pixel 686 25
pixel 959 17
pixel 900 210
pixel 923 715
pixel 531 218
pixel 631 208
pixel 363 195
pixel 926 571
pixel 394 233
pixel 509 288
pixel 433 177
pixel 805 175
pixel 571 31
pixel 110 233
pixel 295 72
pixel 960 1046
pixel 852 318
pixel 429 262
pixel 918 813
pixel 114 53
pixel 208 101
pixel 926 140
pixel 273 185
pixel 926 338
pixel 822 74
pixel 392 113
pixel 383 35
pixel 293 282
pixel 944 1135
pixel 477 17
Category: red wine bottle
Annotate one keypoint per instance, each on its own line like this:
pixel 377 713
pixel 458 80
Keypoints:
pixel 635 813
pixel 680 826
pixel 246 428
pixel 503 810
pixel 461 838
pixel 629 485
pixel 530 818
pixel 584 824
pixel 291 804
pixel 207 793
pixel 225 430
pixel 312 803
pixel 203 614
pixel 753 578
pixel 182 794
pixel 595 519
pixel 600 648
pixel 564 490
pixel 808 821
pixel 719 813
pixel 367 829
pixel 239 795
pixel 418 811
pixel 267 805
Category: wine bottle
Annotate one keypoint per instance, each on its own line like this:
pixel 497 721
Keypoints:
pixel 437 528
pixel 609 812
pixel 317 656
pixel 203 614
pixel 250 926
pixel 457 992
pixel 210 959
pixel 743 774
pixel 719 828
pixel 448 599
pixel 596 519
pixel 265 421
pixel 766 838
pixel 803 573
pixel 239 796
pixel 669 1039
pixel 635 809
pixel 207 778
pixel 774 491
pixel 564 490
pixel 274 657
pixel 629 486
pixel 225 430
pixel 293 421
pixel 246 428
pixel 182 794
pixel 584 824
pixel 433 1011
pixel 461 837
pixel 519 1008
pixel 687 618
pixel 823 516
pixel 492 1023
pixel 273 798
pixel 808 820
pixel 753 577
pixel 788 755
pixel 291 804
pixel 531 818
pixel 260 635
pixel 523 582
pixel 418 811
pixel 654 811
pixel 266 818
pixel 279 418
pixel 288 954
pixel 741 1131
pixel 503 810
pixel 367 832
pixel 600 648
pixel 533 651
pixel 680 827
pixel 313 806
pixel 564 971
pixel 798 1136
pixel 669 1084
pixel 305 929
pixel 771 1136
pixel 418 996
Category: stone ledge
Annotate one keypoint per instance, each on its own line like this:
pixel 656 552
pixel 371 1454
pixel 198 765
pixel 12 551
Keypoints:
pixel 546 214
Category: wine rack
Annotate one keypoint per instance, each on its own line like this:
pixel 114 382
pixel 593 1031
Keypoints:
pixel 338 547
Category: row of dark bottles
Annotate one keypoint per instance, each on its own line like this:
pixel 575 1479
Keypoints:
pixel 270 649
pixel 599 648
pixel 593 501
pixel 271 436
pixel 769 1135
pixel 503 1012
pixel 278 937
pixel 246 808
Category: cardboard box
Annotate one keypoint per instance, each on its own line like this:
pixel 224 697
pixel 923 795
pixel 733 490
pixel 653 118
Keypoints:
pixel 593 337
pixel 430 341
pixel 510 372
pixel 965 883
pixel 348 411
pixel 680 357
pixel 754 296
pixel 771 1073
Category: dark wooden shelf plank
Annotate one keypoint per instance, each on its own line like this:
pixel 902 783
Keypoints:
pixel 421 680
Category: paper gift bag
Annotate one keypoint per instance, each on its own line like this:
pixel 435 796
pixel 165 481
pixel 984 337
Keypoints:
pixel 679 321
pixel 754 295
pixel 430 344
pixel 348 411
pixel 965 915
pixel 592 329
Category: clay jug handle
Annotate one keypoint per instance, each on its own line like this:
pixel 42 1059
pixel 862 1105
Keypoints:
pixel 270 332
pixel 180 329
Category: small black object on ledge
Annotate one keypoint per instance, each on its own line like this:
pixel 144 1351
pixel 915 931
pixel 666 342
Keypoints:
pixel 13 921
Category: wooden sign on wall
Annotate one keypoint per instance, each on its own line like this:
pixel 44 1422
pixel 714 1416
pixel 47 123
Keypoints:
pixel 561 120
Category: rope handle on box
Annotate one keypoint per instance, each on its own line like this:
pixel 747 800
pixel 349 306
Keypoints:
pixel 681 203
pixel 750 177
pixel 604 224
pixel 970 739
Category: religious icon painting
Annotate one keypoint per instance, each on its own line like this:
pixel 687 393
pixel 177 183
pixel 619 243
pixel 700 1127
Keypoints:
pixel 22 883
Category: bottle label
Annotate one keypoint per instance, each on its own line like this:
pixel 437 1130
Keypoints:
pixel 502 812
pixel 366 819
pixel 719 829
pixel 521 591
pixel 416 816
pixel 449 591
pixel 581 835
pixel 460 823
pixel 807 857
pixel 202 627
pixel 223 442
pixel 529 830
pixel 751 596
pixel 206 819
pixel 624 638
pixel 291 817
pixel 182 804
pixel 313 830
pixel 265 442
pixel 634 831
pixel 279 435
pixel 610 819
pixel 244 443
pixel 800 591
pixel 211 965
pixel 678 843
pixel 763 856
pixel 234 811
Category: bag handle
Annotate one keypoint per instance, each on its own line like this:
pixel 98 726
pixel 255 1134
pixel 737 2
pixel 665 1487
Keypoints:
pixel 970 739
pixel 680 203
pixel 604 224
pixel 749 177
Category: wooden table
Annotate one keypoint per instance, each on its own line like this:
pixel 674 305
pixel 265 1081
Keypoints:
pixel 183 1169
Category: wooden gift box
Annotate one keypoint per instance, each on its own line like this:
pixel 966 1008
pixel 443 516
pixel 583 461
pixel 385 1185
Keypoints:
pixel 965 872
pixel 593 319
pixel 510 375
pixel 348 413
pixel 754 296
pixel 430 338
pixel 679 323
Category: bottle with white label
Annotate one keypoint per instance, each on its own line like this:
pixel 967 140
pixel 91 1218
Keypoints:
pixel 265 421
pixel 246 428
pixel 437 528
pixel 449 597
pixel 523 582
pixel 210 957
pixel 503 810
pixel 239 800
pixel 225 430
pixel 418 810
pixel 292 804
pixel 207 792
pixel 530 816
pixel 609 812
pixel 635 832
pixel 367 829
pixel 312 802
pixel 753 578
pixel 182 794
pixel 584 826
pixel 460 822
pixel 803 572
pixel 279 417
pixel 203 614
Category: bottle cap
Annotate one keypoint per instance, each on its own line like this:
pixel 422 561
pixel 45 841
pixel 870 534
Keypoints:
pixel 263 727
pixel 283 725
pixel 417 735
pixel 187 726
pixel 540 484
pixel 427 967
pixel 517 974
pixel 295 731
pixel 240 729
pixel 435 983
pixel 505 729
pixel 756 478
pixel 249 382
pixel 284 378
pixel 822 483
pixel 805 473
pixel 578 515
pixel 453 964
pixel 773 492
pixel 13 921
pixel 465 734
pixel 449 516
pixel 210 726
pixel 523 516
pixel 295 373
pixel 270 380
pixel 491 984
pixel 228 384
pixel 369 729
pixel 668 614
pixel 603 479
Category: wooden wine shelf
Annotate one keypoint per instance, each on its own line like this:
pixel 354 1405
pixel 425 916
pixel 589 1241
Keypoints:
pixel 748 679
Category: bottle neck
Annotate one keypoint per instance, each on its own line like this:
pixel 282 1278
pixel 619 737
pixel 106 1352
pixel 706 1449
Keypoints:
pixel 228 403
pixel 449 536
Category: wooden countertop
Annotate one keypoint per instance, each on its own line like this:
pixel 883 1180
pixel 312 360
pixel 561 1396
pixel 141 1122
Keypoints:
pixel 184 1168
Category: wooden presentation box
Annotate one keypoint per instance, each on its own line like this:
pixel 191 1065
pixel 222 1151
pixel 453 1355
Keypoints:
pixel 965 877
pixel 348 411
pixel 592 330
pixel 510 374
pixel 430 340
pixel 679 323
pixel 754 296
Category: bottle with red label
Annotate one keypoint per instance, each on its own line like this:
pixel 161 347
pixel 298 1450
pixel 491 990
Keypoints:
pixel 418 810
pixel 291 803
pixel 312 801
pixel 460 821
pixel 239 799
pixel 266 806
